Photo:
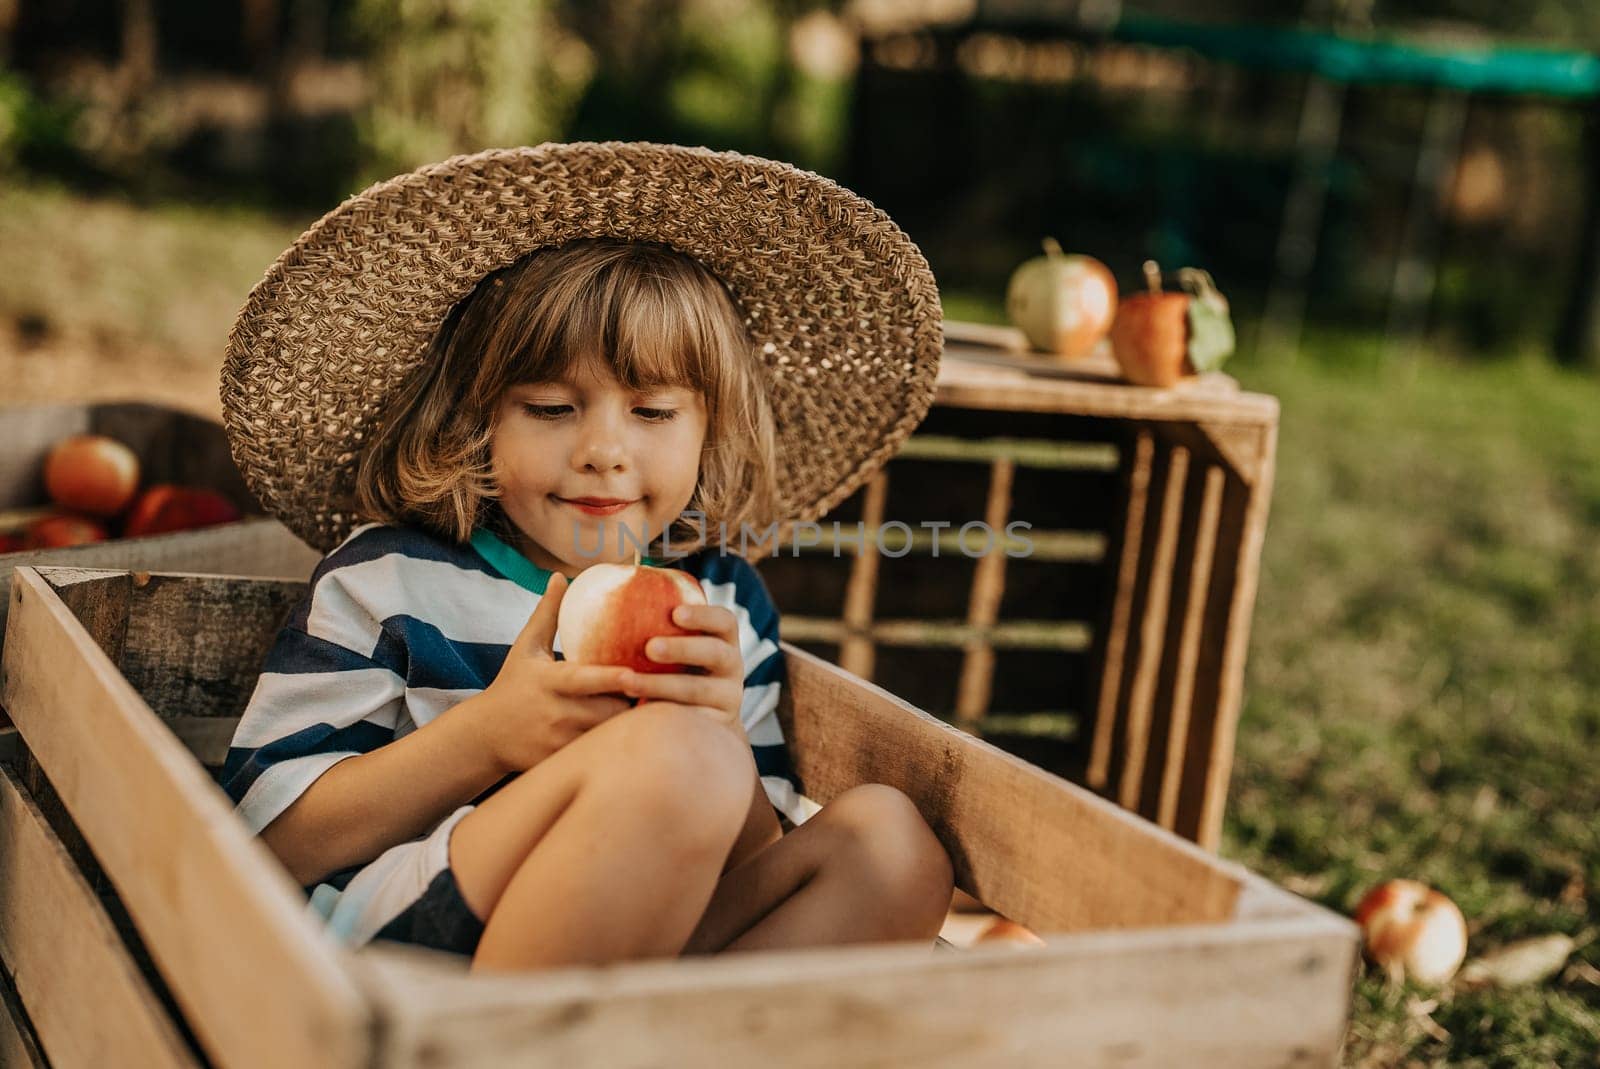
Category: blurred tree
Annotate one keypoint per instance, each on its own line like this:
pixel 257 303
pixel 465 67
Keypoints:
pixel 453 76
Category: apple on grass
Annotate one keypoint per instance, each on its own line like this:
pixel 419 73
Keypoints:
pixel 1409 929
pixel 610 611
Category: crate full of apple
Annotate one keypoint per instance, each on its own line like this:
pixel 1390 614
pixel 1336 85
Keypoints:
pixel 96 493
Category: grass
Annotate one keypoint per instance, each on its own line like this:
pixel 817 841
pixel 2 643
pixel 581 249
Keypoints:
pixel 1423 691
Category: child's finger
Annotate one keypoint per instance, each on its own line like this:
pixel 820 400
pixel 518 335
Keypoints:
pixel 538 635
pixel 712 619
pixel 716 655
pixel 581 680
pixel 686 689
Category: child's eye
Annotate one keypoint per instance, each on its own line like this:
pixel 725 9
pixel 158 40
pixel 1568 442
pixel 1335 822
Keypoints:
pixel 657 415
pixel 546 411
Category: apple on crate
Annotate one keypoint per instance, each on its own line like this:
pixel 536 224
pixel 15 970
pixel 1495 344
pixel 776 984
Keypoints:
pixel 91 474
pixel 165 508
pixel 1161 337
pixel 61 529
pixel 610 611
pixel 1063 303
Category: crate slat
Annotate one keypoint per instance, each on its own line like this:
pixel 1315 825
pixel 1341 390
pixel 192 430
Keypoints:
pixel 974 687
pixel 861 592
pixel 994 812
pixel 1268 995
pixel 82 991
pixel 18 1047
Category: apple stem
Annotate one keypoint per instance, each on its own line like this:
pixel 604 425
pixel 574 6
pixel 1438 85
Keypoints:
pixel 1052 247
pixel 636 556
pixel 1152 276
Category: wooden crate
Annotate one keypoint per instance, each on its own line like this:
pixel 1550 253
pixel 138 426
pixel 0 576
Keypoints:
pixel 125 688
pixel 1113 653
pixel 173 447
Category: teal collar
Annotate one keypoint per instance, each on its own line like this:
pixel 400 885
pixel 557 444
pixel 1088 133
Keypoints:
pixel 517 568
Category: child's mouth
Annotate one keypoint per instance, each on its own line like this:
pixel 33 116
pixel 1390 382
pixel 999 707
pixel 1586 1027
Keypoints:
pixel 595 506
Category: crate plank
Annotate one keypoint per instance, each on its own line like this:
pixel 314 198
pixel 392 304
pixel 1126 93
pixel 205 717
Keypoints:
pixel 1271 994
pixel 195 644
pixel 223 920
pixel 1185 633
pixel 18 1047
pixel 997 814
pixel 255 547
pixel 967 380
pixel 1219 672
pixel 83 992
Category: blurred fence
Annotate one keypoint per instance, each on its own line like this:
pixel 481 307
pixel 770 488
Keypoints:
pixel 1438 188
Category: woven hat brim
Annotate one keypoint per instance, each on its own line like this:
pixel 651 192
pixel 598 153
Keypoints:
pixel 841 304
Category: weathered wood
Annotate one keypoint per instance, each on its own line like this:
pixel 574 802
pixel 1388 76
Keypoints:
pixel 983 606
pixel 82 991
pixel 966 382
pixel 1219 671
pixel 1185 633
pixel 1069 635
pixel 18 1047
pixel 251 547
pixel 1271 994
pixel 224 922
pixel 1152 600
pixel 1217 967
pixel 855 650
pixel 996 814
pixel 1112 642
pixel 196 644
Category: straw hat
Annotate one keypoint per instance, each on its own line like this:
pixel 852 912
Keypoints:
pixel 841 304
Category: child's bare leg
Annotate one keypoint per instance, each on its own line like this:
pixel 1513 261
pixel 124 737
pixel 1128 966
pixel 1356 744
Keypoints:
pixel 608 850
pixel 865 868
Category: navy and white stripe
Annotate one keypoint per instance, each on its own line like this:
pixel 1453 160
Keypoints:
pixel 399 626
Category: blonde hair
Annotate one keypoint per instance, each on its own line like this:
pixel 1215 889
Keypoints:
pixel 654 315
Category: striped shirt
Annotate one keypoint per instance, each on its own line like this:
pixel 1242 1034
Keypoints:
pixel 398 626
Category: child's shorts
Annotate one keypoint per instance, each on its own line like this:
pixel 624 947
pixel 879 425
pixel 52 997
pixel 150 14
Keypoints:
pixel 407 894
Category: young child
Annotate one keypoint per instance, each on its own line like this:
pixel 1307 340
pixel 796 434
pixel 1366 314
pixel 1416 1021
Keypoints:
pixel 473 382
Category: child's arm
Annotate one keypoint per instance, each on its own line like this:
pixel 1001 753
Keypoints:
pixel 369 801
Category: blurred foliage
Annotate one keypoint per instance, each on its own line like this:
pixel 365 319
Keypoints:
pixel 450 76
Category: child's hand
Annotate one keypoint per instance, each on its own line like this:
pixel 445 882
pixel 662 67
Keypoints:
pixel 720 689
pixel 537 704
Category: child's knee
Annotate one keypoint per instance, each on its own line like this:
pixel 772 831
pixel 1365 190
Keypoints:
pixel 885 839
pixel 677 764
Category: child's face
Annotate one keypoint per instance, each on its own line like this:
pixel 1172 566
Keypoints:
pixel 590 437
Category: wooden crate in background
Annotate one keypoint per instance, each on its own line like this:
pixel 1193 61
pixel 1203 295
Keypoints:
pixel 173 446
pixel 1113 652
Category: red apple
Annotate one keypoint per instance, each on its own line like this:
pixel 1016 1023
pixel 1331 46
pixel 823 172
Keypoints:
pixel 1008 931
pixel 54 532
pixel 610 611
pixel 1412 930
pixel 1160 338
pixel 91 473
pixel 164 508
pixel 10 543
pixel 1063 303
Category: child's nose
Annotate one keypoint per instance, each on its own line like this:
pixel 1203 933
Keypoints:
pixel 600 446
